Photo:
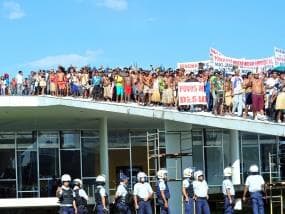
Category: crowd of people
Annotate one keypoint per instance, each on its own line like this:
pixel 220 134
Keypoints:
pixel 194 192
pixel 227 93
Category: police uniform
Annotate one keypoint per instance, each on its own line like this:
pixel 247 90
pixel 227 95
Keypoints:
pixel 122 202
pixel 99 193
pixel 162 186
pixel 81 199
pixel 201 193
pixel 188 185
pixel 228 186
pixel 142 191
pixel 254 184
pixel 66 200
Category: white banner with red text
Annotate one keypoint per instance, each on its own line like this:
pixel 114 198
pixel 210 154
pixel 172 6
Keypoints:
pixel 191 93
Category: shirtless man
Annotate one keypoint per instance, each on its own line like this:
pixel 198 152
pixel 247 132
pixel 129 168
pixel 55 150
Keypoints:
pixel 134 79
pixel 128 87
pixel 247 85
pixel 147 82
pixel 257 96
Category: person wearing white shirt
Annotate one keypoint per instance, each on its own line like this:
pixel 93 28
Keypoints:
pixel 237 92
pixel 19 80
pixel 255 185
pixel 121 197
pixel 200 187
pixel 80 197
pixel 142 195
pixel 228 191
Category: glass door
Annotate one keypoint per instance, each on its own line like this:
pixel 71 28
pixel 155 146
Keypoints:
pixel 27 164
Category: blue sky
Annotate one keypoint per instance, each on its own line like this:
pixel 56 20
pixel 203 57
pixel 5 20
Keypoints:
pixel 123 32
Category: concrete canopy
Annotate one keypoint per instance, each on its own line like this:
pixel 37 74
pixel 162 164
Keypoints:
pixel 46 112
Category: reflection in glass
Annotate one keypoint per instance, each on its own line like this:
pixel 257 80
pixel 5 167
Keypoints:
pixel 27 140
pixel 197 150
pixel 226 147
pixel 214 137
pixel 70 163
pixel 69 139
pixel 48 187
pixel 250 156
pixel 27 194
pixel 8 189
pixel 249 138
pixel 7 164
pixel 7 140
pixel 27 170
pixel 214 163
pixel 90 156
pixel 48 139
pixel 265 149
pixel 48 163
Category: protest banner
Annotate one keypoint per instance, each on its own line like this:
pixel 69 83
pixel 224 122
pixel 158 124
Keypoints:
pixel 191 93
pixel 192 66
pixel 279 56
pixel 222 61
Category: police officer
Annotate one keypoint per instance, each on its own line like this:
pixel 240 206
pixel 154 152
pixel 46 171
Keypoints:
pixel 65 195
pixel 187 190
pixel 101 197
pixel 122 196
pixel 228 191
pixel 80 196
pixel 162 191
pixel 255 185
pixel 200 187
pixel 142 194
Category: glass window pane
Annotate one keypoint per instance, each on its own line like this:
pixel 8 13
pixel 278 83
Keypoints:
pixel 197 150
pixel 214 165
pixel 48 139
pixel 249 138
pixel 89 187
pixel 90 133
pixel 7 164
pixel 7 141
pixel 265 149
pixel 8 189
pixel 226 147
pixel 27 140
pixel 70 163
pixel 267 139
pixel 48 187
pixel 69 139
pixel 213 137
pixel 250 156
pixel 48 163
pixel 27 194
pixel 90 156
pixel 27 170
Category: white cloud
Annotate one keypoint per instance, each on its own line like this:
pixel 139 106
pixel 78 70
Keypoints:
pixel 118 5
pixel 13 10
pixel 48 62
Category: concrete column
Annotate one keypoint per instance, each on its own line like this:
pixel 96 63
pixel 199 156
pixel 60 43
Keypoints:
pixel 104 155
pixel 235 156
pixel 172 143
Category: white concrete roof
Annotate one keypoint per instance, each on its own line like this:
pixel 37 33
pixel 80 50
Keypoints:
pixel 160 113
